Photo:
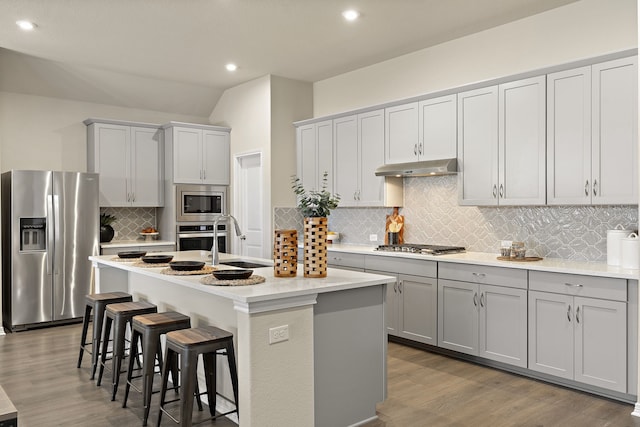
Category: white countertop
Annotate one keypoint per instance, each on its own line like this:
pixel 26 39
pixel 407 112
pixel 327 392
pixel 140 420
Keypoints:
pixel 130 243
pixel 555 265
pixel 273 288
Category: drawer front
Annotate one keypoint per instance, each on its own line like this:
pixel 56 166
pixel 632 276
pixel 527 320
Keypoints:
pixel 499 276
pixel 579 285
pixel 343 259
pixel 414 267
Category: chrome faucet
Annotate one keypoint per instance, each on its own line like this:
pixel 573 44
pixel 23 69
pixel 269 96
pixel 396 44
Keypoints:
pixel 214 248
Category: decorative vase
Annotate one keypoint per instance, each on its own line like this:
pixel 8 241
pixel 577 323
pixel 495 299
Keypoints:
pixel 285 253
pixel 106 233
pixel 315 247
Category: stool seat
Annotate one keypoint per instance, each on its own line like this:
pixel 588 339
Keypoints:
pixel 148 328
pixel 188 344
pixel 120 315
pixel 97 304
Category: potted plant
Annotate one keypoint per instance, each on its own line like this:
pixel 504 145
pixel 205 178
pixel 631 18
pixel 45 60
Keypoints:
pixel 315 206
pixel 106 230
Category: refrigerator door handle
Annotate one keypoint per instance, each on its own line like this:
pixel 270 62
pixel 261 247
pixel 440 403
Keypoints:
pixel 56 231
pixel 50 234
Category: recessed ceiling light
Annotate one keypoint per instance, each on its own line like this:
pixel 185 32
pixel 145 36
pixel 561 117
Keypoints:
pixel 231 67
pixel 350 15
pixel 26 25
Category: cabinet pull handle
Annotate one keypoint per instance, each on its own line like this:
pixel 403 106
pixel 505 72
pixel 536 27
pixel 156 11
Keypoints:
pixel 133 197
pixel 501 191
pixel 569 312
pixel 400 286
pixel 482 299
pixel 595 187
pixel 395 288
pixel 358 194
pixel 586 188
pixel 495 191
pixel 475 299
pixel 578 314
pixel 420 148
pixel 577 285
pixel 204 174
pixel 415 149
pixel 479 275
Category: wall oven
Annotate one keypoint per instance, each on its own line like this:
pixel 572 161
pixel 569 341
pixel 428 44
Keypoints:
pixel 200 203
pixel 199 237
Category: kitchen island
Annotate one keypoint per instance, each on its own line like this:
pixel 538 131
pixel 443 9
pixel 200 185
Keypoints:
pixel 331 369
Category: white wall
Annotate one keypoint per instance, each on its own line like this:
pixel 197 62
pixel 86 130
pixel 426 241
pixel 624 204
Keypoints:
pixel 579 30
pixel 47 133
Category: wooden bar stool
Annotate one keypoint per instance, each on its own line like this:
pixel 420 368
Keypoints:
pixel 120 315
pixel 148 328
pixel 97 303
pixel 188 344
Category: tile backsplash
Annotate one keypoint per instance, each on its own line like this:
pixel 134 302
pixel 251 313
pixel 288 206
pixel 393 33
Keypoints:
pixel 130 221
pixel 432 215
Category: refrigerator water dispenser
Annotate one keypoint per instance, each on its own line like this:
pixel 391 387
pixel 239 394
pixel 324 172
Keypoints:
pixel 33 234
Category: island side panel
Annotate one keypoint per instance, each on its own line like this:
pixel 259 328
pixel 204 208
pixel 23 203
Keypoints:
pixel 276 388
pixel 350 342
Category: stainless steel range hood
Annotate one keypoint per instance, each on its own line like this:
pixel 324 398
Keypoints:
pixel 424 168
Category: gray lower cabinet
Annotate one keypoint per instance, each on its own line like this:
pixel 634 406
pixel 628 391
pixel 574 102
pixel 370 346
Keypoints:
pixel 482 311
pixel 412 301
pixel 345 261
pixel 578 328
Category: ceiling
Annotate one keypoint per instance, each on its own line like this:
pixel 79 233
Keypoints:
pixel 170 55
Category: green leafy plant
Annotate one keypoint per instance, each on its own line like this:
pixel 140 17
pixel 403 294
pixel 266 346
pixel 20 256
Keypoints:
pixel 315 203
pixel 106 219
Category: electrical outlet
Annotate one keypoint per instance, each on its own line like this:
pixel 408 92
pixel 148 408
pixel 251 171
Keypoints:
pixel 373 237
pixel 278 334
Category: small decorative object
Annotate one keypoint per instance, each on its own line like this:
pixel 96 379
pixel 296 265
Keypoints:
pixel 394 229
pixel 285 253
pixel 106 230
pixel 315 206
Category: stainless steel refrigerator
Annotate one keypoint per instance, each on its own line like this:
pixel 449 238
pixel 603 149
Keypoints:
pixel 50 225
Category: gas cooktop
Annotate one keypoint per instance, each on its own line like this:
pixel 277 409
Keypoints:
pixel 421 249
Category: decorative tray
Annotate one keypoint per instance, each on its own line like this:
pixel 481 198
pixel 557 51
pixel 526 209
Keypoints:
pixel 525 259
pixel 211 280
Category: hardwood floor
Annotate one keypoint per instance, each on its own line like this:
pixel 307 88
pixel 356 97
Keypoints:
pixel 38 372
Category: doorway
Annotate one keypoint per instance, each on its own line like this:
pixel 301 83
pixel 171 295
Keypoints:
pixel 248 204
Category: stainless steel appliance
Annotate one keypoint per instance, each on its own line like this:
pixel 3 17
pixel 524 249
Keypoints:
pixel 421 249
pixel 200 203
pixel 192 237
pixel 50 224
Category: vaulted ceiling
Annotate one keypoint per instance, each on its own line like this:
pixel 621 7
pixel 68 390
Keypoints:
pixel 170 55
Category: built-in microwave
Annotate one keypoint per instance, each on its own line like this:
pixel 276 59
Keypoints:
pixel 200 203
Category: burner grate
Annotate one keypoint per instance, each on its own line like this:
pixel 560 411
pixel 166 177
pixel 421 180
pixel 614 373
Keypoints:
pixel 422 249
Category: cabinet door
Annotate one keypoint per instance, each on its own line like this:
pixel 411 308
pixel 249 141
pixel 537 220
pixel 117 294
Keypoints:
pixel 601 343
pixel 615 132
pixel 345 149
pixel 391 304
pixel 458 316
pixel 215 157
pixel 307 156
pixel 522 142
pixel 478 147
pixel 371 156
pixel 418 308
pixel 438 128
pixel 569 137
pixel 324 139
pixel 113 163
pixel 503 324
pixel 401 134
pixel 551 334
pixel 146 167
pixel 187 155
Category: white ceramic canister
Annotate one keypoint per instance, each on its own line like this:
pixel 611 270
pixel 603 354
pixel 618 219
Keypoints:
pixel 631 251
pixel 614 244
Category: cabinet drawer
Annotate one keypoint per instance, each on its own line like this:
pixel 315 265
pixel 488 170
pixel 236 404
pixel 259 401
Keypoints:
pixel 579 285
pixel 500 276
pixel 415 267
pixel 343 259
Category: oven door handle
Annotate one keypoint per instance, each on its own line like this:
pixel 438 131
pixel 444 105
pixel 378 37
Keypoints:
pixel 196 235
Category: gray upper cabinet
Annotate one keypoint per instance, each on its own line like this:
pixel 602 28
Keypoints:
pixel 424 130
pixel 501 150
pixel 129 159
pixel 315 154
pixel 592 134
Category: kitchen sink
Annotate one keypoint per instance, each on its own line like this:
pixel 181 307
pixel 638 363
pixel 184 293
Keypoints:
pixel 244 264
